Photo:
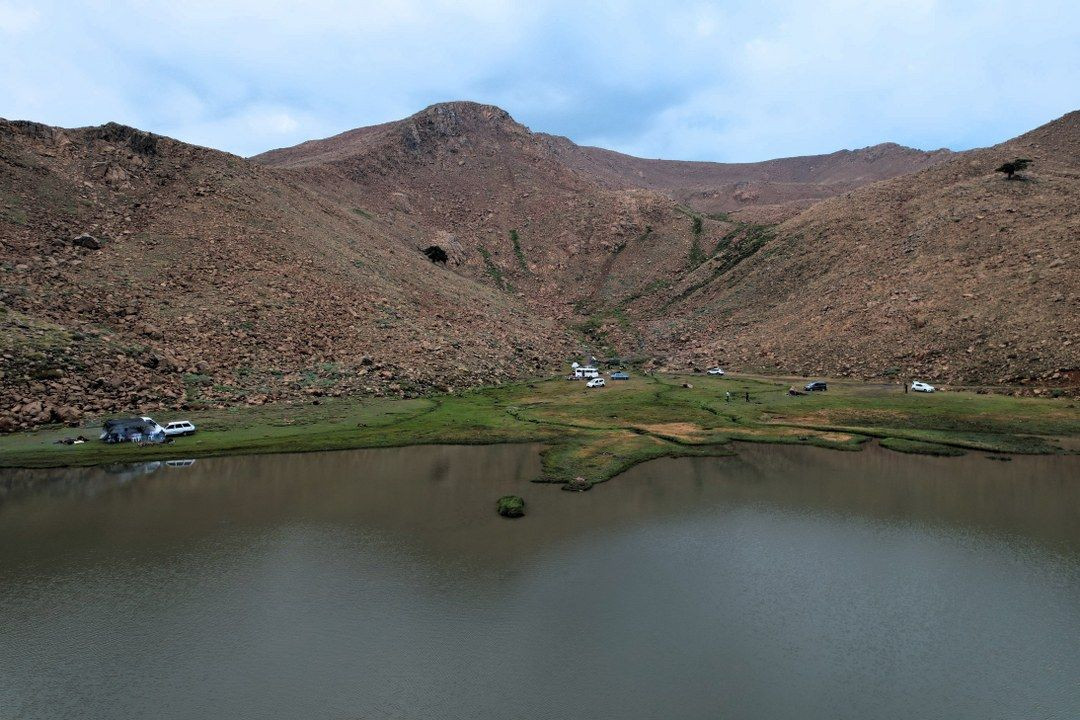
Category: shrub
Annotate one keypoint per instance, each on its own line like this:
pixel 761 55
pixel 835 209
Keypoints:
pixel 511 506
pixel 697 254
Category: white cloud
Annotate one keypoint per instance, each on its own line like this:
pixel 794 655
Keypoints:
pixel 262 127
pixel 17 18
pixel 709 80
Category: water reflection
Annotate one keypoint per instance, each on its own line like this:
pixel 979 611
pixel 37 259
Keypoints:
pixel 783 582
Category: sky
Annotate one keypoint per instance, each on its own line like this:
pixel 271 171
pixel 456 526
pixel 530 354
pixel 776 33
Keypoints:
pixel 725 81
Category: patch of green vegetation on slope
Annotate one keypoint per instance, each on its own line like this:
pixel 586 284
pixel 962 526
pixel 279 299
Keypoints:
pixel 697 253
pixel 732 249
pixel 518 252
pixel 493 270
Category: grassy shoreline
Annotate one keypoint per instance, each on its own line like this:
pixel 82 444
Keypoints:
pixel 597 434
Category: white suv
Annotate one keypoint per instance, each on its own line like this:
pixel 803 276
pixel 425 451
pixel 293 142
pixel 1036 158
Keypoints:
pixel 595 382
pixel 920 386
pixel 715 371
pixel 179 427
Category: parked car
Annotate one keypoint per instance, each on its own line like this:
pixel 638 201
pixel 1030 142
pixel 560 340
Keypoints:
pixel 816 386
pixel 179 427
pixel 620 375
pixel 920 386
pixel 715 371
pixel 595 383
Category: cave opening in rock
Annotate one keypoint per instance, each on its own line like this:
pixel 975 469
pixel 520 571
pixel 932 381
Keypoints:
pixel 436 254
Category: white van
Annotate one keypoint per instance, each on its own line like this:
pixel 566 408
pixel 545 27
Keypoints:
pixel 179 427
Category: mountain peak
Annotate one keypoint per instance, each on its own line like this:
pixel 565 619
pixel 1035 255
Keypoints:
pixel 465 109
pixel 453 123
pixel 457 118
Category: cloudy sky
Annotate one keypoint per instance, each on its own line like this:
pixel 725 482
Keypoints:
pixel 697 80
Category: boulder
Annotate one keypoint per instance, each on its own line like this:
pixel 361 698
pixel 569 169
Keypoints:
pixel 67 415
pixel 31 409
pixel 88 241
pixel 163 362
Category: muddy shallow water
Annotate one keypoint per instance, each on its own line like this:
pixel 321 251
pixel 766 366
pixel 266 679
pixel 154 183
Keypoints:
pixel 786 582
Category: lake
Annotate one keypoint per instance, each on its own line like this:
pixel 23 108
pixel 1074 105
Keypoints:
pixel 784 582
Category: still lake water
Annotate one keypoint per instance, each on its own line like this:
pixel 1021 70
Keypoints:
pixel 787 582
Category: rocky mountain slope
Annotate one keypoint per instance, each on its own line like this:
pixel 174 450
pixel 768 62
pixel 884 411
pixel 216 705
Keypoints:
pixel 770 190
pixel 952 273
pixel 206 279
pixel 456 248
pixel 469 179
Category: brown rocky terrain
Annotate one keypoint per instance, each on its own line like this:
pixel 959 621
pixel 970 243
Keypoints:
pixel 138 272
pixel 762 191
pixel 507 211
pixel 207 279
pixel 952 273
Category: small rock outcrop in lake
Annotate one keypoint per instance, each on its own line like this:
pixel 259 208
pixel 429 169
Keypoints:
pixel 578 484
pixel 511 506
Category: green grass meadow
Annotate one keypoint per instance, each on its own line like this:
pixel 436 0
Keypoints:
pixel 598 433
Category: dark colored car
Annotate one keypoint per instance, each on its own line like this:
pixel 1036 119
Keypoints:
pixel 620 375
pixel 816 385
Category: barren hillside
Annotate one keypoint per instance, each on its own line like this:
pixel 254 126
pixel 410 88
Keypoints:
pixel 211 279
pixel 770 189
pixel 952 273
pixel 469 179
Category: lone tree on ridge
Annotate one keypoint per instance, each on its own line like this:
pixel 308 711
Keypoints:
pixel 1011 168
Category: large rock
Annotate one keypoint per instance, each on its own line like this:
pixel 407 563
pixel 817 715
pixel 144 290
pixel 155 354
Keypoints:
pixel 163 362
pixel 31 409
pixel 67 414
pixel 88 241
